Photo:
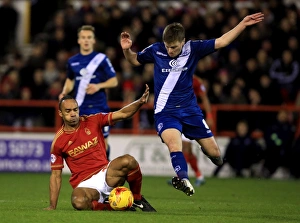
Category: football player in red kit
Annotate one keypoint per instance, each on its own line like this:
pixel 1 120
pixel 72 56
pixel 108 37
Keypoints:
pixel 80 143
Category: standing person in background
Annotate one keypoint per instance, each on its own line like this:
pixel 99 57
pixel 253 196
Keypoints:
pixel 279 137
pixel 176 110
pixel 89 74
pixel 242 150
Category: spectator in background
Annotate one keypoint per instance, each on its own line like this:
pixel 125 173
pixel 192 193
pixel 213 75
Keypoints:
pixel 224 78
pixel 61 59
pixel 57 22
pixel 128 73
pixel 264 61
pixel 234 65
pixel 36 60
pixel 147 35
pixel 57 42
pixel 278 137
pixel 39 86
pixel 72 21
pixel 293 44
pixel 236 96
pixel 251 73
pixel 117 22
pixel 10 85
pixel 16 62
pixel 9 18
pixel 286 71
pixel 51 73
pixel 254 97
pixel 283 32
pixel 54 90
pixel 216 93
pixel 242 151
pixel 255 118
pixel 269 91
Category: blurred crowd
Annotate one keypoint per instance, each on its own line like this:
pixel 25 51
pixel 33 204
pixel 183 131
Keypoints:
pixel 260 68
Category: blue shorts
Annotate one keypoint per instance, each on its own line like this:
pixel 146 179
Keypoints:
pixel 189 121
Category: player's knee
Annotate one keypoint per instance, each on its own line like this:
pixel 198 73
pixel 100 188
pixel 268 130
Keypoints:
pixel 79 200
pixel 129 161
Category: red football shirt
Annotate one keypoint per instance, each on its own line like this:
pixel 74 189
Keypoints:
pixel 83 149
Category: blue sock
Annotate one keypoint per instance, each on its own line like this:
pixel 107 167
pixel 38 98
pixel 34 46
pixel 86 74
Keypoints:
pixel 179 164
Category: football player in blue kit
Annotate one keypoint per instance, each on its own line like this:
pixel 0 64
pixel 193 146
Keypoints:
pixel 89 74
pixel 176 110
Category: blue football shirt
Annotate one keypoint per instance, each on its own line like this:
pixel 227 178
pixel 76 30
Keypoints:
pixel 93 68
pixel 173 77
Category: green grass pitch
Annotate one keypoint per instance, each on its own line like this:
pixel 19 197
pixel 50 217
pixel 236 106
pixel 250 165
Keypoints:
pixel 220 200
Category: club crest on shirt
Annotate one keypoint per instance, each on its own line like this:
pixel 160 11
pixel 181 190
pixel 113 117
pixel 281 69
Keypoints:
pixel 83 71
pixel 173 63
pixel 53 158
pixel 87 131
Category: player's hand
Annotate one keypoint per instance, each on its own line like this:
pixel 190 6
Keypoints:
pixel 145 96
pixel 125 41
pixel 92 89
pixel 60 96
pixel 253 19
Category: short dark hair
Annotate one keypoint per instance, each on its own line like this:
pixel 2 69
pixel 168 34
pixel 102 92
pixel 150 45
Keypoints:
pixel 173 32
pixel 67 97
pixel 86 27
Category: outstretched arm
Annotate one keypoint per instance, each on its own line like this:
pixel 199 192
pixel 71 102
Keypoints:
pixel 126 43
pixel 54 188
pixel 231 35
pixel 129 110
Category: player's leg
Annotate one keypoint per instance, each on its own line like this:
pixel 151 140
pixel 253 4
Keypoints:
pixel 84 198
pixel 169 129
pixel 211 149
pixel 191 158
pixel 127 168
pixel 195 127
pixel 92 193
pixel 172 138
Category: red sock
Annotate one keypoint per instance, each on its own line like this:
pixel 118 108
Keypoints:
pixel 134 180
pixel 187 157
pixel 101 207
pixel 194 165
